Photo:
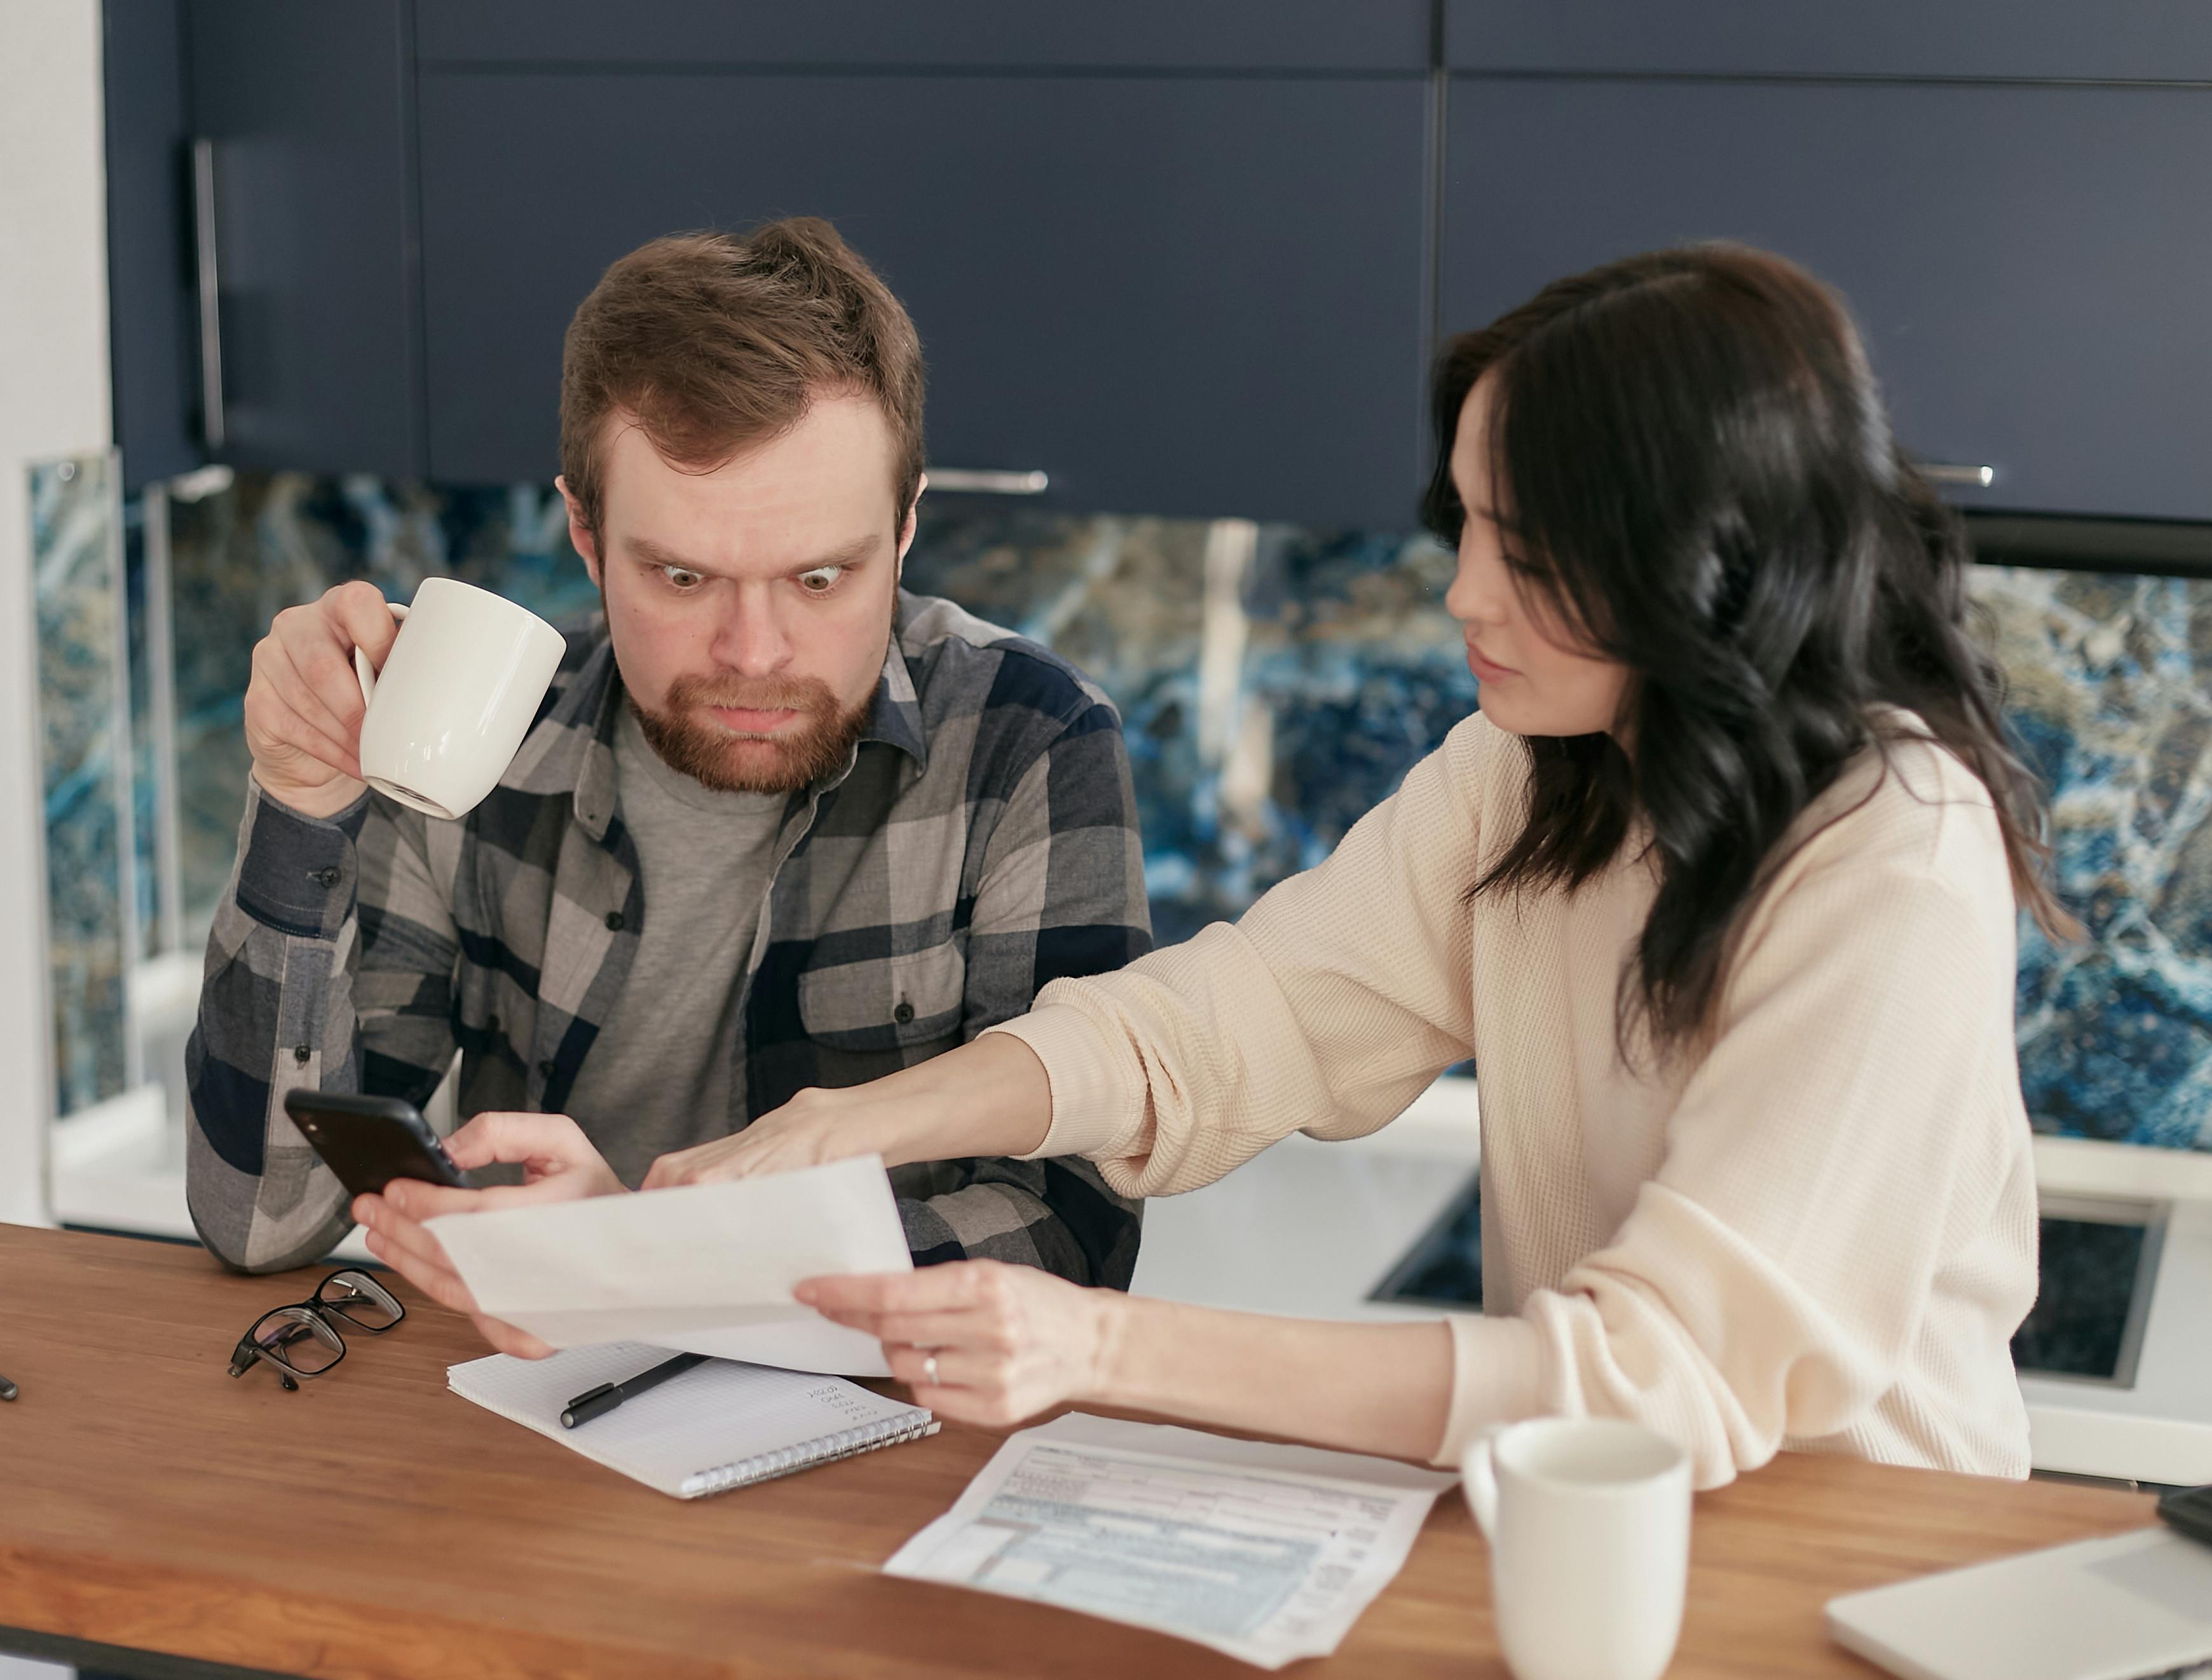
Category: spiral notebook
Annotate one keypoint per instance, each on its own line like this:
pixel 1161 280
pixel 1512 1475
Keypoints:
pixel 719 1426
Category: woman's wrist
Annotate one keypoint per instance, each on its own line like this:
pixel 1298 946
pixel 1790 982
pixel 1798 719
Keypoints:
pixel 1110 1340
pixel 857 1120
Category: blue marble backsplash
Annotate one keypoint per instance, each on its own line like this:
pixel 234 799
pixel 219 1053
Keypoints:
pixel 1276 683
pixel 84 744
pixel 241 556
pixel 2111 691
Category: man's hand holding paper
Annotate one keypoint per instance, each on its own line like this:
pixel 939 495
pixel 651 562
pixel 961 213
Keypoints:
pixel 707 1268
pixel 559 1164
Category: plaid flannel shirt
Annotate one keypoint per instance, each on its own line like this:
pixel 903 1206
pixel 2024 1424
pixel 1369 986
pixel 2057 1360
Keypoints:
pixel 980 840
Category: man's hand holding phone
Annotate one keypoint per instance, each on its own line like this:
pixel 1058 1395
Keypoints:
pixel 559 1164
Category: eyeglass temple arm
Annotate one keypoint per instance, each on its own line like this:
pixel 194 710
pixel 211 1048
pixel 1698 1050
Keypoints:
pixel 242 1361
pixel 248 1350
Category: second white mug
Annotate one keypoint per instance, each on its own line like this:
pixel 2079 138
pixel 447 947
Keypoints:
pixel 1588 1525
pixel 456 696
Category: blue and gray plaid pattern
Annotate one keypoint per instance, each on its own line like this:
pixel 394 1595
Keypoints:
pixel 980 841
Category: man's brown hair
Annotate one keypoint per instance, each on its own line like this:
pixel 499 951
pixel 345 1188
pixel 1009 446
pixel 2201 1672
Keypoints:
pixel 713 341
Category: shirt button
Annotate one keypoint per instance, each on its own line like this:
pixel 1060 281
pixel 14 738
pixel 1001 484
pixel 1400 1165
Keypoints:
pixel 904 1013
pixel 303 1054
pixel 324 877
pixel 545 1070
pixel 613 922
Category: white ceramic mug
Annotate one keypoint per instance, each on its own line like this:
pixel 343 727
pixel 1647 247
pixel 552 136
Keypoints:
pixel 455 698
pixel 1588 1525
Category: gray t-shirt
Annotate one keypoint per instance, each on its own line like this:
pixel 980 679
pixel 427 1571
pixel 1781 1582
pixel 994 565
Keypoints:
pixel 660 1074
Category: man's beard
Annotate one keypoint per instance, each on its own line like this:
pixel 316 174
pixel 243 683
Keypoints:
pixel 733 763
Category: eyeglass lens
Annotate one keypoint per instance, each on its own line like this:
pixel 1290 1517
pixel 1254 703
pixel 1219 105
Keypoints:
pixel 359 1299
pixel 299 1341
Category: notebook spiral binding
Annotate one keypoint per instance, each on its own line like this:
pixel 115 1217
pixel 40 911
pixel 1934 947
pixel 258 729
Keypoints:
pixel 825 1449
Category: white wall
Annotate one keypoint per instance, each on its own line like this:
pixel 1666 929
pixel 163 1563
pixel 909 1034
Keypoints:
pixel 53 401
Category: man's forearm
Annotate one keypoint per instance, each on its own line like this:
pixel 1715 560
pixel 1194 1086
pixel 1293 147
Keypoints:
pixel 278 1008
pixel 1368 1388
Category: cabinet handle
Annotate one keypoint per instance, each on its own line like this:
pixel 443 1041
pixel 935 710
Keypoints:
pixel 212 429
pixel 974 483
pixel 1958 472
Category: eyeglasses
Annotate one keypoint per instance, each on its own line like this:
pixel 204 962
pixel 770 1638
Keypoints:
pixel 300 1340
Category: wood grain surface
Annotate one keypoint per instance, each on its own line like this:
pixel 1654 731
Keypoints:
pixel 374 1525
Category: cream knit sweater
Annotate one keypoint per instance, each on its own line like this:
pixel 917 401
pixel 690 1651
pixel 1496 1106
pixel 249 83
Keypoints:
pixel 1819 1235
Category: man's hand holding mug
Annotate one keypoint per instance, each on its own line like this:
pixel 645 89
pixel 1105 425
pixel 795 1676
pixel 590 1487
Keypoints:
pixel 426 704
pixel 304 706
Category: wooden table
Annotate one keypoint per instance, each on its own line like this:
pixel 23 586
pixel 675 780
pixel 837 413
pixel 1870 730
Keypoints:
pixel 374 1525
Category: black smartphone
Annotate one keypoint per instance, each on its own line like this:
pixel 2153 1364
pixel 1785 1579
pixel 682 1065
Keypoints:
pixel 370 1140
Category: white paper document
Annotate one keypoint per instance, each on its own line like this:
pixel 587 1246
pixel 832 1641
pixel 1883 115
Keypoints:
pixel 707 1269
pixel 1267 1552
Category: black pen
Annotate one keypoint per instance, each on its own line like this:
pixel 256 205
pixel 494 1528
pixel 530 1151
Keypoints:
pixel 598 1401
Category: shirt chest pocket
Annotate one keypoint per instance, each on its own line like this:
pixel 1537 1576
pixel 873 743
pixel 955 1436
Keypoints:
pixel 887 1003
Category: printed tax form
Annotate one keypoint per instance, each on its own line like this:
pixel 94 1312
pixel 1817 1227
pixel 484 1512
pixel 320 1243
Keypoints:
pixel 1267 1552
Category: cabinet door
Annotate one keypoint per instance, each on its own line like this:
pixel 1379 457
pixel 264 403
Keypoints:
pixel 2028 263
pixel 306 108
pixel 151 345
pixel 1174 295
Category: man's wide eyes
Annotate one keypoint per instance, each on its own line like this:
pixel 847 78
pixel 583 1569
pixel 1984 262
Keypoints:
pixel 819 581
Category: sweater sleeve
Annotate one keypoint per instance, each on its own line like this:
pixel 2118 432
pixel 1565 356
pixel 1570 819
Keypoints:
pixel 1327 1008
pixel 1772 1277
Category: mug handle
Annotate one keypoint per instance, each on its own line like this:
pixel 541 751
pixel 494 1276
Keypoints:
pixel 363 669
pixel 1479 1471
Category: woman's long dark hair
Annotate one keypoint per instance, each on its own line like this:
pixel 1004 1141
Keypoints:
pixel 1702 486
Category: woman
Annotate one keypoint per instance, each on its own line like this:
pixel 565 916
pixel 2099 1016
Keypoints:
pixel 1719 887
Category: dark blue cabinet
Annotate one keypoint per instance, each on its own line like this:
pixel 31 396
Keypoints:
pixel 1173 255
pixel 307 111
pixel 2028 262
pixel 1182 256
pixel 1175 295
pixel 150 259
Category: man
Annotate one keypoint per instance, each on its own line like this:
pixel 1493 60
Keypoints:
pixel 778 825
